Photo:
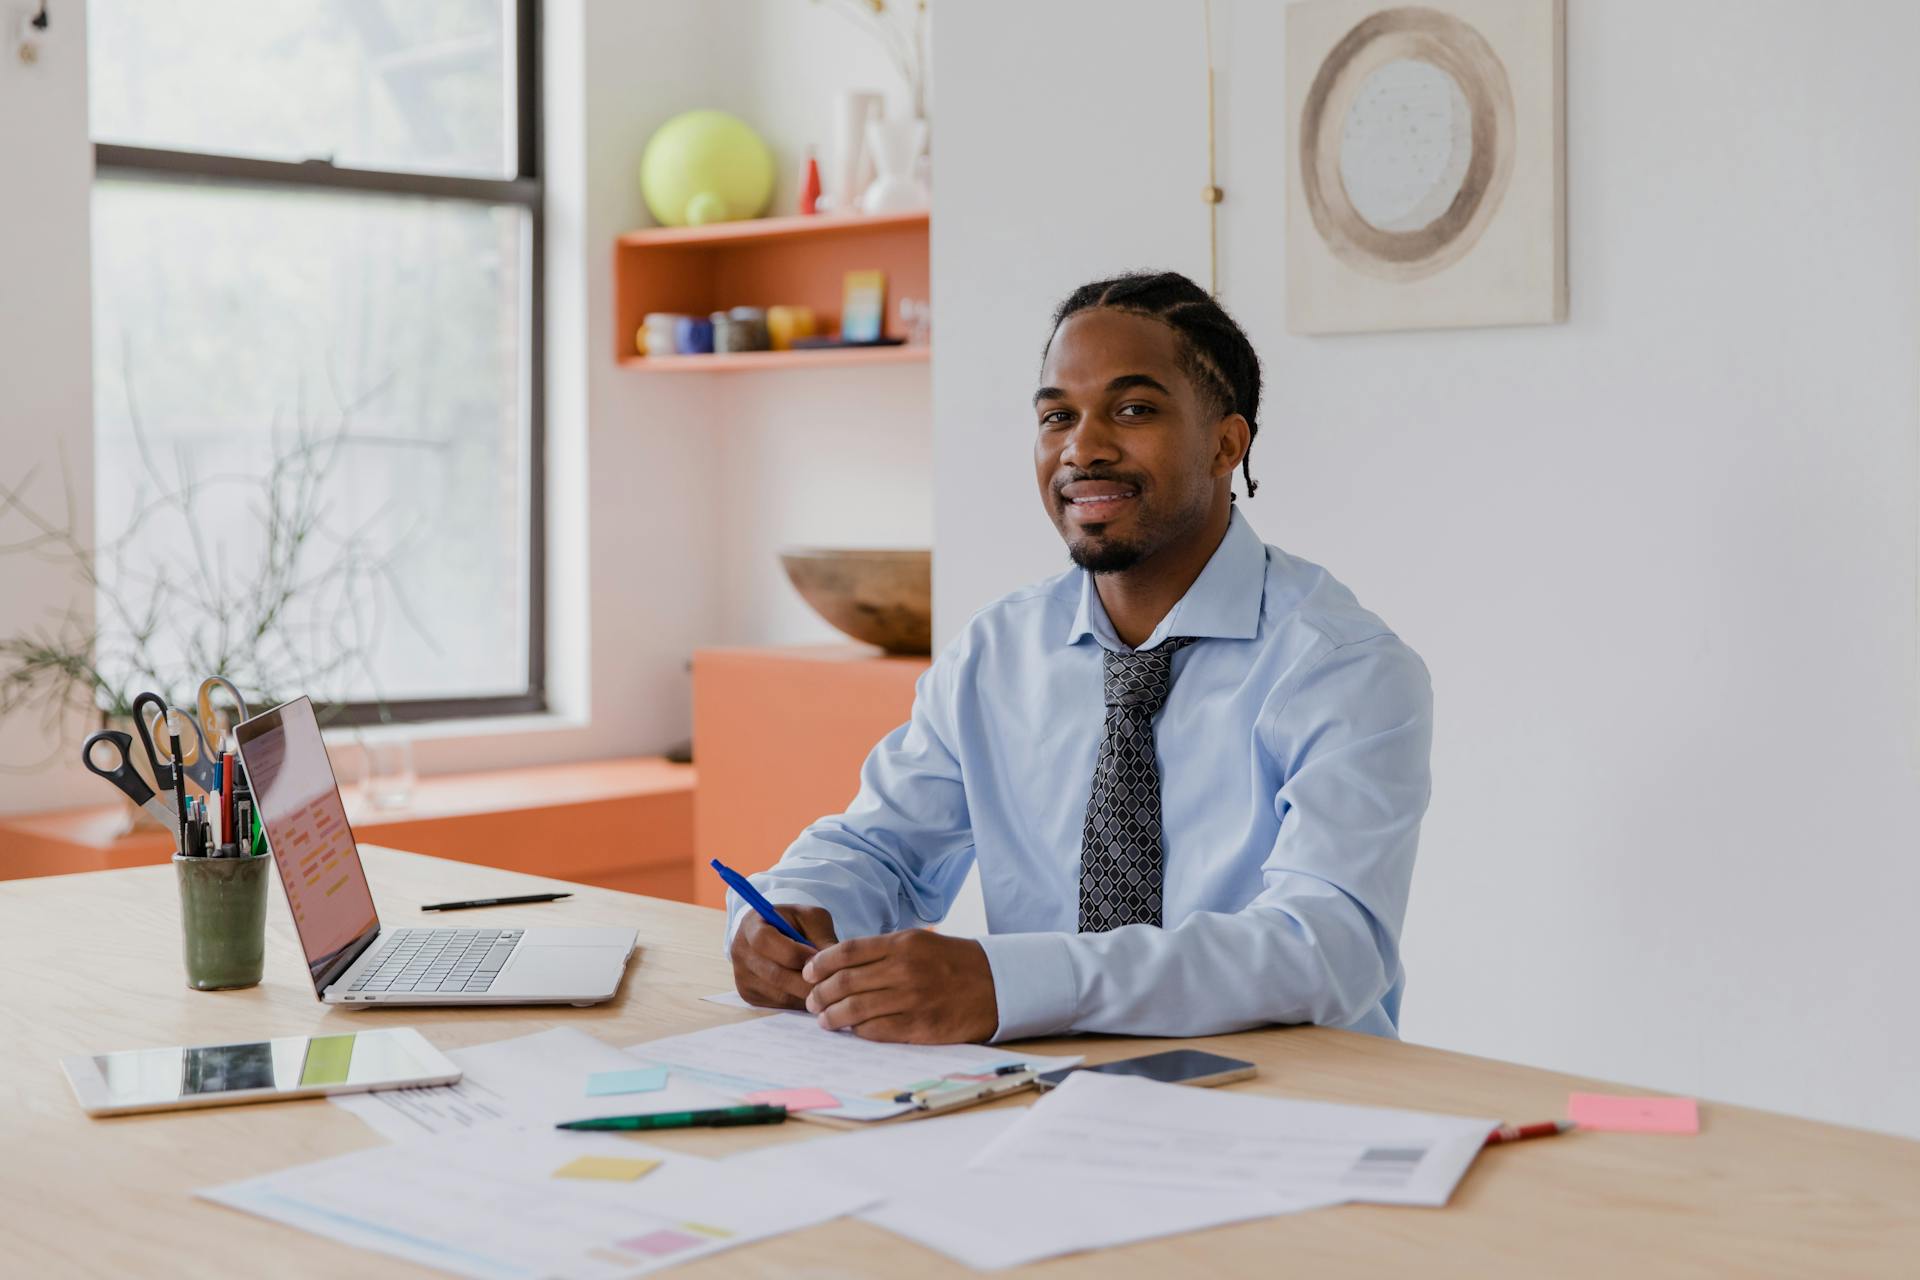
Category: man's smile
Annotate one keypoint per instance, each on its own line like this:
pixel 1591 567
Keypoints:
pixel 1097 501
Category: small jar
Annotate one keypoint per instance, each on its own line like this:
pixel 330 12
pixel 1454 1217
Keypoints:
pixel 693 336
pixel 784 324
pixel 741 329
pixel 658 326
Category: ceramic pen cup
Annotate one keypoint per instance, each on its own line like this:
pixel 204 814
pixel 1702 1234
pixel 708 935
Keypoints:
pixel 223 920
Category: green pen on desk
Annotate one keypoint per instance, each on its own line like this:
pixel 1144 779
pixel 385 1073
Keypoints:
pixel 717 1118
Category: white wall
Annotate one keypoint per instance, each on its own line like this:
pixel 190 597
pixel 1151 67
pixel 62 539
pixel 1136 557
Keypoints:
pixel 1660 559
pixel 46 373
pixel 808 457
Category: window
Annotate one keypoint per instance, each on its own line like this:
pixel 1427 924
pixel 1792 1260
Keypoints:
pixel 317 356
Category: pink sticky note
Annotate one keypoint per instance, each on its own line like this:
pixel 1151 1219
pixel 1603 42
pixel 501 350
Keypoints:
pixel 795 1099
pixel 1611 1113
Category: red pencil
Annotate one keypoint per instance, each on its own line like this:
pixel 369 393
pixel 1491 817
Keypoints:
pixel 1521 1132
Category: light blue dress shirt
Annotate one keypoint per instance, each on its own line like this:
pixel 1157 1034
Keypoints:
pixel 1293 756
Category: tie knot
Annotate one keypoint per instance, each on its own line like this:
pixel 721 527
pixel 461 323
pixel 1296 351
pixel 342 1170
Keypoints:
pixel 1144 677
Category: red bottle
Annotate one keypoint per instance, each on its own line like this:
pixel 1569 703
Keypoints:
pixel 810 184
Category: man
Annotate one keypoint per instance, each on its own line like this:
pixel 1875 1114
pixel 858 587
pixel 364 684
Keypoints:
pixel 1191 770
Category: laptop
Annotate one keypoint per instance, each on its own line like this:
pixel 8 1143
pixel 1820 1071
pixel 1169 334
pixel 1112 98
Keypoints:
pixel 352 959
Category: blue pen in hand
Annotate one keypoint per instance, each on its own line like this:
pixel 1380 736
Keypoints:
pixel 751 896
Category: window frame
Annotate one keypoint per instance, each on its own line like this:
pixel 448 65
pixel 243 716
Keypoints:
pixel 525 190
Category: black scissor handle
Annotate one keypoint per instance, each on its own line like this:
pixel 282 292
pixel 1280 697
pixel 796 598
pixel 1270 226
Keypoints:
pixel 161 776
pixel 122 775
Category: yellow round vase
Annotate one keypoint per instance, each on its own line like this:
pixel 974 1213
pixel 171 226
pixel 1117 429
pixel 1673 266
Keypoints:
pixel 705 166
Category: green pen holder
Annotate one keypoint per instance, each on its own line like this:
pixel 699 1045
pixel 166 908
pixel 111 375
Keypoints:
pixel 223 920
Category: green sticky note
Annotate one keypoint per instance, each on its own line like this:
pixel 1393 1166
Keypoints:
pixel 328 1058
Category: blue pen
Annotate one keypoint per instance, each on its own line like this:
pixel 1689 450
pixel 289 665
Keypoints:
pixel 751 896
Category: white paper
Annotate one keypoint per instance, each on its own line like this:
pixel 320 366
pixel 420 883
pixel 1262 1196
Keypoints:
pixel 988 1220
pixel 790 1050
pixel 731 999
pixel 536 1081
pixel 1127 1130
pixel 486 1204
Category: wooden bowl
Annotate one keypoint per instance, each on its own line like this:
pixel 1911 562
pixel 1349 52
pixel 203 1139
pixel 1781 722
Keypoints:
pixel 878 597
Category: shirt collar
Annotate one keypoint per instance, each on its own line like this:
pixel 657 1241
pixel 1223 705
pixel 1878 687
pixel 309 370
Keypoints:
pixel 1224 602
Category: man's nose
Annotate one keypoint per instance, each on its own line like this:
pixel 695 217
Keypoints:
pixel 1091 443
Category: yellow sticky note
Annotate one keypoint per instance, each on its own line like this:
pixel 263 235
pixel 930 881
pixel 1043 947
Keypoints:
pixel 606 1168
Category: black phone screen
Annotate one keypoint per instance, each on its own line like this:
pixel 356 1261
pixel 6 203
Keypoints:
pixel 1175 1066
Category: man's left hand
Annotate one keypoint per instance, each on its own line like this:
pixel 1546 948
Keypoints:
pixel 913 986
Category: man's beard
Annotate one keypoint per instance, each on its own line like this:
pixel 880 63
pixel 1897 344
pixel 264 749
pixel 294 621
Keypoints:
pixel 1105 555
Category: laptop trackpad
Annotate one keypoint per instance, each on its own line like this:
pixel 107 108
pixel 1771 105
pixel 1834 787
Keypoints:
pixel 550 972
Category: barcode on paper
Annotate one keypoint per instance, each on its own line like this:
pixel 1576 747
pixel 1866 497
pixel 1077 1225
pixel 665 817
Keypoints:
pixel 1386 1166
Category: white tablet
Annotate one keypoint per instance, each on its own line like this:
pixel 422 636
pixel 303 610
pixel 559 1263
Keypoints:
pixel 218 1075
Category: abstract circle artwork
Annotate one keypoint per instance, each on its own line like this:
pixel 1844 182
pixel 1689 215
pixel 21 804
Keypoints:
pixel 1425 164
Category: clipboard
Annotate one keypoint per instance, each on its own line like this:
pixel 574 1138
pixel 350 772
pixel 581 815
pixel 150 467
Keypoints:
pixel 939 1096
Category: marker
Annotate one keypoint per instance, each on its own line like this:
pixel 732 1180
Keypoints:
pixel 1521 1132
pixel 763 908
pixel 179 783
pixel 717 1118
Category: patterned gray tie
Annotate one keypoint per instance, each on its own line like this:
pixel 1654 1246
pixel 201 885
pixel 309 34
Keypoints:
pixel 1120 853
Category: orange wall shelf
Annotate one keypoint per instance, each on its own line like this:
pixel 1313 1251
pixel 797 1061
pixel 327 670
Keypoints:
pixel 762 262
pixel 780 735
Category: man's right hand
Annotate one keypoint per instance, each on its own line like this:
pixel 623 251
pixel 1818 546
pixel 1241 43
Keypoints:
pixel 767 963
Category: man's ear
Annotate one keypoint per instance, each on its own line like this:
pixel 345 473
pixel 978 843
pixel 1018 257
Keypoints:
pixel 1233 436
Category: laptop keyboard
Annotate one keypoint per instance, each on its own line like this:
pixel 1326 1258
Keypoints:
pixel 464 960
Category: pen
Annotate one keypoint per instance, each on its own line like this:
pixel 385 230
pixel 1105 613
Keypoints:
pixel 495 902
pixel 717 1118
pixel 1521 1132
pixel 763 908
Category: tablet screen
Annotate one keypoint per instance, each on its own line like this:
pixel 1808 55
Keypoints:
pixel 154 1077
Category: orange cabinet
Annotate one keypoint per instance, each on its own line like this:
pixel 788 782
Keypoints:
pixel 779 736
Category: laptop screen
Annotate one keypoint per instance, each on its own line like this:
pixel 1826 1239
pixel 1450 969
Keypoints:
pixel 307 832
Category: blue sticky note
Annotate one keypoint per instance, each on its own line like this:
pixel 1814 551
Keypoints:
pixel 642 1080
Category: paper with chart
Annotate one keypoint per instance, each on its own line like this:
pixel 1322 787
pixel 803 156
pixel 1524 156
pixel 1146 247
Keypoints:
pixel 791 1051
pixel 1124 1129
pixel 987 1220
pixel 494 1204
pixel 538 1080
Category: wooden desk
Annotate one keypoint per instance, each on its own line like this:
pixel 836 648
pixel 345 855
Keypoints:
pixel 91 962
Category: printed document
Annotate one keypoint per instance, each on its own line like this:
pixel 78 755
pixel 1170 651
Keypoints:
pixel 988 1220
pixel 537 1080
pixel 501 1203
pixel 1124 1129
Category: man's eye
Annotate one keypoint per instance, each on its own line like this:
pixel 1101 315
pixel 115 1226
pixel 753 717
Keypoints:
pixel 1134 410
pixel 1054 417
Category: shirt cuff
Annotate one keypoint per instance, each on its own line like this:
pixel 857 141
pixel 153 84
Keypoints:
pixel 1033 983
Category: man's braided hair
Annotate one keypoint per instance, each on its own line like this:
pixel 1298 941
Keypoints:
pixel 1214 352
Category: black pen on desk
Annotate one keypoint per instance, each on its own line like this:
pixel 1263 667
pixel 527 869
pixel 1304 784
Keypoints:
pixel 495 902
pixel 713 1118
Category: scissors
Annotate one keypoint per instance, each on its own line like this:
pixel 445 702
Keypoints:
pixel 123 775
pixel 215 725
pixel 194 756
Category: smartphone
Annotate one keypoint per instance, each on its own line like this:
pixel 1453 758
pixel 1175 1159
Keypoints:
pixel 217 1075
pixel 1175 1066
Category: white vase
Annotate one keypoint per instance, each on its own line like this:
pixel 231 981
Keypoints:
pixel 895 147
pixel 852 166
